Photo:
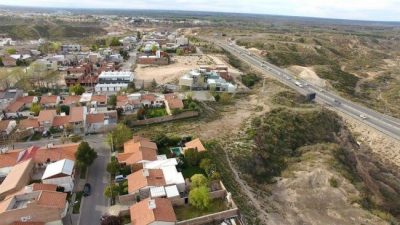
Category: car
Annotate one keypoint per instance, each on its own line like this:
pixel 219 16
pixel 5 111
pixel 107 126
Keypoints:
pixel 86 189
pixel 337 102
pixel 119 178
pixel 362 116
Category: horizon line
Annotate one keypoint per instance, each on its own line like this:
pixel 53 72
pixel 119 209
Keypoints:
pixel 199 11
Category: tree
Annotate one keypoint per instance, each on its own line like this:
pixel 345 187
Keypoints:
pixel 1 62
pixel 111 220
pixel 112 101
pixel 94 47
pixel 76 89
pixel 208 166
pixel 35 108
pixel 64 109
pixel 113 167
pixel 192 157
pixel 117 137
pixel 199 198
pixel 115 42
pixel 198 180
pixel 111 191
pixel 154 48
pixel 85 155
pixel 138 35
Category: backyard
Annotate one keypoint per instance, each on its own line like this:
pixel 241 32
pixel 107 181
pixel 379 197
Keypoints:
pixel 188 212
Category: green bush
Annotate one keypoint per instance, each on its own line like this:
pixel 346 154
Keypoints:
pixel 250 79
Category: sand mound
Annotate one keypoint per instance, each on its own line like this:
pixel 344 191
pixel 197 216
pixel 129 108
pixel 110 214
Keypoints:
pixel 308 74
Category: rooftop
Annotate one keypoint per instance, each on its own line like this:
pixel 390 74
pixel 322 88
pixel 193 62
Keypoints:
pixel 152 210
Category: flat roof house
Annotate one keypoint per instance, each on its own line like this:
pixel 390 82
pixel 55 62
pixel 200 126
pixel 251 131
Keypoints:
pixel 60 173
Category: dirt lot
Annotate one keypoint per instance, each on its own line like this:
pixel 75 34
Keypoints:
pixel 179 66
pixel 172 72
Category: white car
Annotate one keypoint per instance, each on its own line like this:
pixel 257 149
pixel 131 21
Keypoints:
pixel 362 116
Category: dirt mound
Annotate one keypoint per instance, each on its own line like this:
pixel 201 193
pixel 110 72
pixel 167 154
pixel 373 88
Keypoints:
pixel 307 195
pixel 308 74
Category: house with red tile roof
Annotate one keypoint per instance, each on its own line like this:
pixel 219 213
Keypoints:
pixel 172 102
pixel 28 100
pixel 77 118
pixel 194 144
pixel 137 151
pixel 144 179
pixel 71 100
pixel 99 101
pixel 153 211
pixel 46 118
pixel 49 101
pixel 29 123
pixel 34 207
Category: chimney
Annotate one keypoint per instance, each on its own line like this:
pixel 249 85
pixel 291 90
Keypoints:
pixel 145 172
pixel 152 204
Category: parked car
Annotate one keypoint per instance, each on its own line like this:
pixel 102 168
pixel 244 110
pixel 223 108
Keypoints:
pixel 86 190
pixel 119 178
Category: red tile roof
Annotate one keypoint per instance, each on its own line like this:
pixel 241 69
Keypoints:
pixel 76 114
pixel 60 121
pixel 46 99
pixel 71 100
pixel 27 123
pixel 9 158
pixel 139 179
pixel 47 115
pixel 43 187
pixel 148 211
pixel 26 99
pixel 52 199
pixel 95 118
pixel 99 98
pixel 175 103
pixel 15 107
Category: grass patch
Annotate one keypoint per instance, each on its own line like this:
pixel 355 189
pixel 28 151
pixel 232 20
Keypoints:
pixel 78 200
pixel 156 112
pixel 36 136
pixel 290 99
pixel 189 171
pixel 189 212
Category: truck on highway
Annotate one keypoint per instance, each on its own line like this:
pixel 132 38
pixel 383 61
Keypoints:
pixel 298 84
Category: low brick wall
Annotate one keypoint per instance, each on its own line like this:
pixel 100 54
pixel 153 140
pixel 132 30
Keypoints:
pixel 127 199
pixel 164 119
pixel 210 218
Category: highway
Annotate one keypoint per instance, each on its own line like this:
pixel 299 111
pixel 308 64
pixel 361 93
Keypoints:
pixel 383 123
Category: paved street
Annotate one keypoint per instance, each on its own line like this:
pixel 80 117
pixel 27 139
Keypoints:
pixel 95 205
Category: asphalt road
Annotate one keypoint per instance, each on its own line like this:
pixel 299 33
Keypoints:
pixel 383 123
pixel 95 205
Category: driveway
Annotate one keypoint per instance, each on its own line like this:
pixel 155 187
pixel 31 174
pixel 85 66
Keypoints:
pixel 95 205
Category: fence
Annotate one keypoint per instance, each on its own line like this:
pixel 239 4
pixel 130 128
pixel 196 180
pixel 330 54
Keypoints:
pixel 163 119
pixel 207 219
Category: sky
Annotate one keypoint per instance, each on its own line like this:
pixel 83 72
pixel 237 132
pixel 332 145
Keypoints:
pixel 378 10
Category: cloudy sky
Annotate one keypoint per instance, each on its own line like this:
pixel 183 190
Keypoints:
pixel 382 10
